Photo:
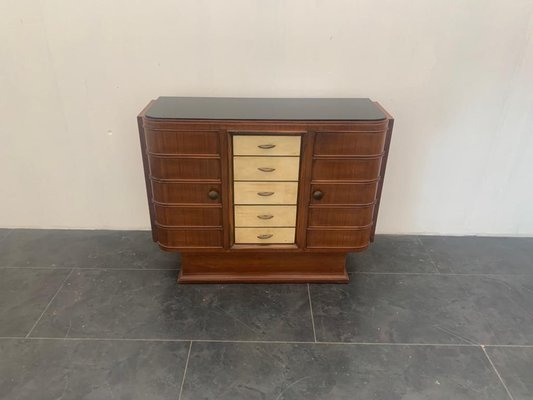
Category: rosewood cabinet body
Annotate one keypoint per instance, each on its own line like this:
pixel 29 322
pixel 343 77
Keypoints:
pixel 264 190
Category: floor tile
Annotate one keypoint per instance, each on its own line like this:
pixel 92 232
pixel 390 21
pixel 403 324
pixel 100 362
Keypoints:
pixel 150 304
pixel 84 248
pixel 426 308
pixel 24 295
pixel 77 370
pixel 392 253
pixel 515 365
pixel 250 371
pixel 481 255
pixel 5 233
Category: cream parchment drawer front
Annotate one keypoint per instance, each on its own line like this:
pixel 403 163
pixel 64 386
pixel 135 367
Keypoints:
pixel 265 192
pixel 266 168
pixel 266 145
pixel 264 235
pixel 259 216
pixel 265 188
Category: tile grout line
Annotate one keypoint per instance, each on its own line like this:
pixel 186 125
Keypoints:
pixel 249 341
pixel 50 302
pixel 311 310
pixel 434 273
pixel 432 260
pixel 497 373
pixel 349 272
pixel 91 268
pixel 185 370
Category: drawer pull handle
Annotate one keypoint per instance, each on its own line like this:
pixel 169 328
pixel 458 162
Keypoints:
pixel 266 169
pixel 265 216
pixel 265 193
pixel 317 195
pixel 265 236
pixel 266 146
pixel 213 194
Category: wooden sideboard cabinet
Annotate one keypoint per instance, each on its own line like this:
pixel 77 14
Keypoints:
pixel 264 190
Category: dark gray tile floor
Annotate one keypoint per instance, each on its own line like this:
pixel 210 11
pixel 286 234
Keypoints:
pixel 481 255
pixel 83 249
pixel 149 304
pixel 24 295
pixel 429 308
pixel 515 367
pixel 98 315
pixel 316 371
pixel 91 369
pixel 397 253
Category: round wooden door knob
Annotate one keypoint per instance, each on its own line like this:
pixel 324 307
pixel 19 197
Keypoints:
pixel 317 195
pixel 213 194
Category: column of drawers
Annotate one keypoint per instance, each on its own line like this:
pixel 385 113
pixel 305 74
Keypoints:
pixel 185 174
pixel 265 188
pixel 344 181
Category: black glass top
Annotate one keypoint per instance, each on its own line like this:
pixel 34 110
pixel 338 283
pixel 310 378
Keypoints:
pixel 264 109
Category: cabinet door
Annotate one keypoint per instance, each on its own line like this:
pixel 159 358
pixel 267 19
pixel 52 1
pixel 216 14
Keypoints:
pixel 186 177
pixel 342 195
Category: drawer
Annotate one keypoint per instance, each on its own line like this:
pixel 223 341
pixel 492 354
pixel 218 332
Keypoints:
pixel 345 239
pixel 354 170
pixel 188 216
pixel 184 168
pixel 356 216
pixel 345 193
pixel 349 143
pixel 169 142
pixel 264 235
pixel 266 168
pixel 189 193
pixel 266 145
pixel 186 238
pixel 265 216
pixel 265 192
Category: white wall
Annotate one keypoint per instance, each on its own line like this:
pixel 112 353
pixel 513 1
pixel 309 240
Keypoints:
pixel 456 74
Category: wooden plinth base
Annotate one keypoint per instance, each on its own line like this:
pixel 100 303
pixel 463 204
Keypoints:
pixel 279 267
